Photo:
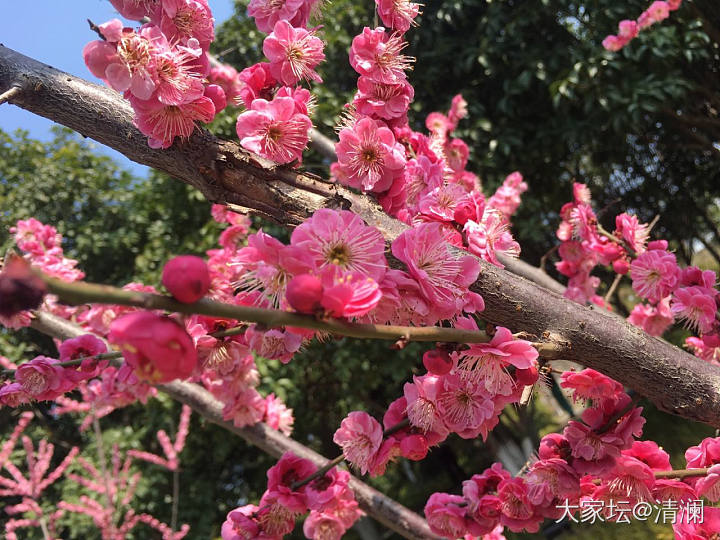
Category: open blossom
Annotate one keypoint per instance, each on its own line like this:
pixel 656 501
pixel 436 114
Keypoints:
pixel 281 477
pixel 491 237
pixel 348 294
pixel 464 405
pixel 589 384
pixel 443 278
pixel 696 305
pixel 274 343
pixel 360 437
pixel 240 524
pixel 423 409
pixel 277 415
pixel 655 274
pixel 487 363
pixel 256 82
pixel 293 53
pixel 369 158
pixel 517 512
pixel 156 347
pixel 184 20
pixel 162 123
pixel 41 379
pixel 384 101
pixel 376 54
pixel 653 319
pixel 340 238
pixel 274 130
pixel 445 515
pixel 126 59
pixel 398 14
pixel 268 12
pixel 658 11
pixel 136 9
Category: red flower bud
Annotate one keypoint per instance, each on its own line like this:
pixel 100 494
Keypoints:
pixel 437 362
pixel 187 278
pixel 414 447
pixel 20 289
pixel 621 266
pixel 304 293
pixel 526 377
pixel 155 346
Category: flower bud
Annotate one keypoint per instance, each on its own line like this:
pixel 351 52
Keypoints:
pixel 155 346
pixel 437 362
pixel 304 293
pixel 187 278
pixel 621 266
pixel 414 447
pixel 20 289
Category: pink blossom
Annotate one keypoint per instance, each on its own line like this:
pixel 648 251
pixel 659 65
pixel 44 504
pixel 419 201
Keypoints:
pixel 550 480
pixel 274 130
pixel 274 344
pixel 384 101
pixel 423 409
pixel 464 405
pixel 627 30
pixel 227 78
pixel 162 123
pixel 321 526
pixel 487 363
pixel 369 158
pixel 686 528
pixel 632 231
pixel 323 493
pixel 13 395
pixel 136 9
pixel 376 54
pixel 658 11
pixel 276 520
pixel 398 14
pixel 437 362
pixel 630 479
pixel 240 524
pixel 443 277
pixel 507 197
pixel 706 454
pixel 708 486
pixel 126 61
pixel 590 384
pixel 267 13
pixel 340 239
pixel 245 407
pixel 653 319
pixel 84 346
pixel 439 204
pixel 517 512
pixel 293 53
pixel 281 477
pixel 651 454
pixel 156 347
pixel 277 415
pixel 33 237
pixel 360 437
pixel 613 43
pixel 304 293
pixel 470 208
pixel 256 82
pixel 446 515
pixel 184 20
pixel 655 274
pixel 696 305
pixel 348 294
pixel 491 237
pixel 42 379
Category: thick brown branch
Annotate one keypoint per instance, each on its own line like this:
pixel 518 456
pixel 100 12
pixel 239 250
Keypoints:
pixel 377 505
pixel 672 379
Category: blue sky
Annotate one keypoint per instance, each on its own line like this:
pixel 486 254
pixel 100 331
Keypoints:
pixel 55 32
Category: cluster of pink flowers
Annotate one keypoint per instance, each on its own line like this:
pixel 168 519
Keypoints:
pixel 463 392
pixel 689 295
pixel 418 178
pixel 330 501
pixel 276 122
pixel 658 11
pixel 162 67
pixel 595 459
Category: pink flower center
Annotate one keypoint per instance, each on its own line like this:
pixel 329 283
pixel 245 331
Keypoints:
pixel 35 383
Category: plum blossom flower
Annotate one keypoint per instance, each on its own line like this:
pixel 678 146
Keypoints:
pixel 517 512
pixel 293 53
pixel 274 130
pixel 369 158
pixel 696 305
pixel 256 82
pixel 464 405
pixel 162 123
pixel 487 363
pixel 156 347
pixel 348 294
pixel 589 384
pixel 41 379
pixel 340 238
pixel 268 12
pixel 360 436
pixel 383 101
pixel 653 319
pixel 443 278
pixel 398 14
pixel 240 524
pixel 136 9
pixel 655 274
pixel 322 526
pixel 445 515
pixel 281 477
pixel 491 237
pixel 277 415
pixel 185 20
pixel 274 344
pixel 376 54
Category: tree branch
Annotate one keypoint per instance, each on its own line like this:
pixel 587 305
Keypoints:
pixel 674 380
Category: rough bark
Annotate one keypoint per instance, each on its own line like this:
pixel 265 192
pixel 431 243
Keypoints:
pixel 675 381
pixel 387 511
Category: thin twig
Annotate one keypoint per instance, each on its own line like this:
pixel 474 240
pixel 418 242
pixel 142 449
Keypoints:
pixel 10 93
pixel 175 500
pixel 544 258
pixel 76 361
pixel 44 528
pixel 612 288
